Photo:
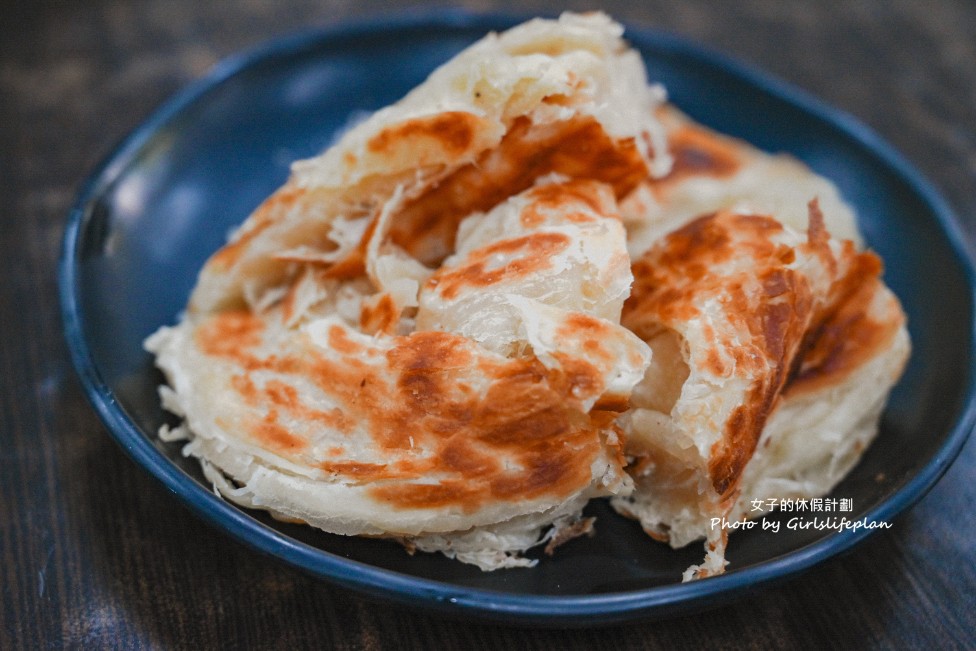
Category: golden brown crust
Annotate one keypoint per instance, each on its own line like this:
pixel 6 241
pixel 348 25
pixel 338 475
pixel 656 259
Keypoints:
pixel 452 131
pixel 696 151
pixel 578 148
pixel 774 322
pixel 519 438
pixel 847 334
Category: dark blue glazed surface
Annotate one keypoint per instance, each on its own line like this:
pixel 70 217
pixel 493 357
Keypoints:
pixel 154 211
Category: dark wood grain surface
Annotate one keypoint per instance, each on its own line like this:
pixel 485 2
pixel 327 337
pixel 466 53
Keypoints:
pixel 94 553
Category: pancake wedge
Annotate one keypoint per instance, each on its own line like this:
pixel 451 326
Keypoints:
pixel 711 171
pixel 773 353
pixel 476 442
pixel 563 96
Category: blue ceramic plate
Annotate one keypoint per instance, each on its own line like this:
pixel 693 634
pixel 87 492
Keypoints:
pixel 152 213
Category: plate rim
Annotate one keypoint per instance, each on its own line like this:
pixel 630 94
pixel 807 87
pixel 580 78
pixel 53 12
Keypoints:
pixel 441 596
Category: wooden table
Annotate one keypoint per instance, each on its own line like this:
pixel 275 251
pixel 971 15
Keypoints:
pixel 95 554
